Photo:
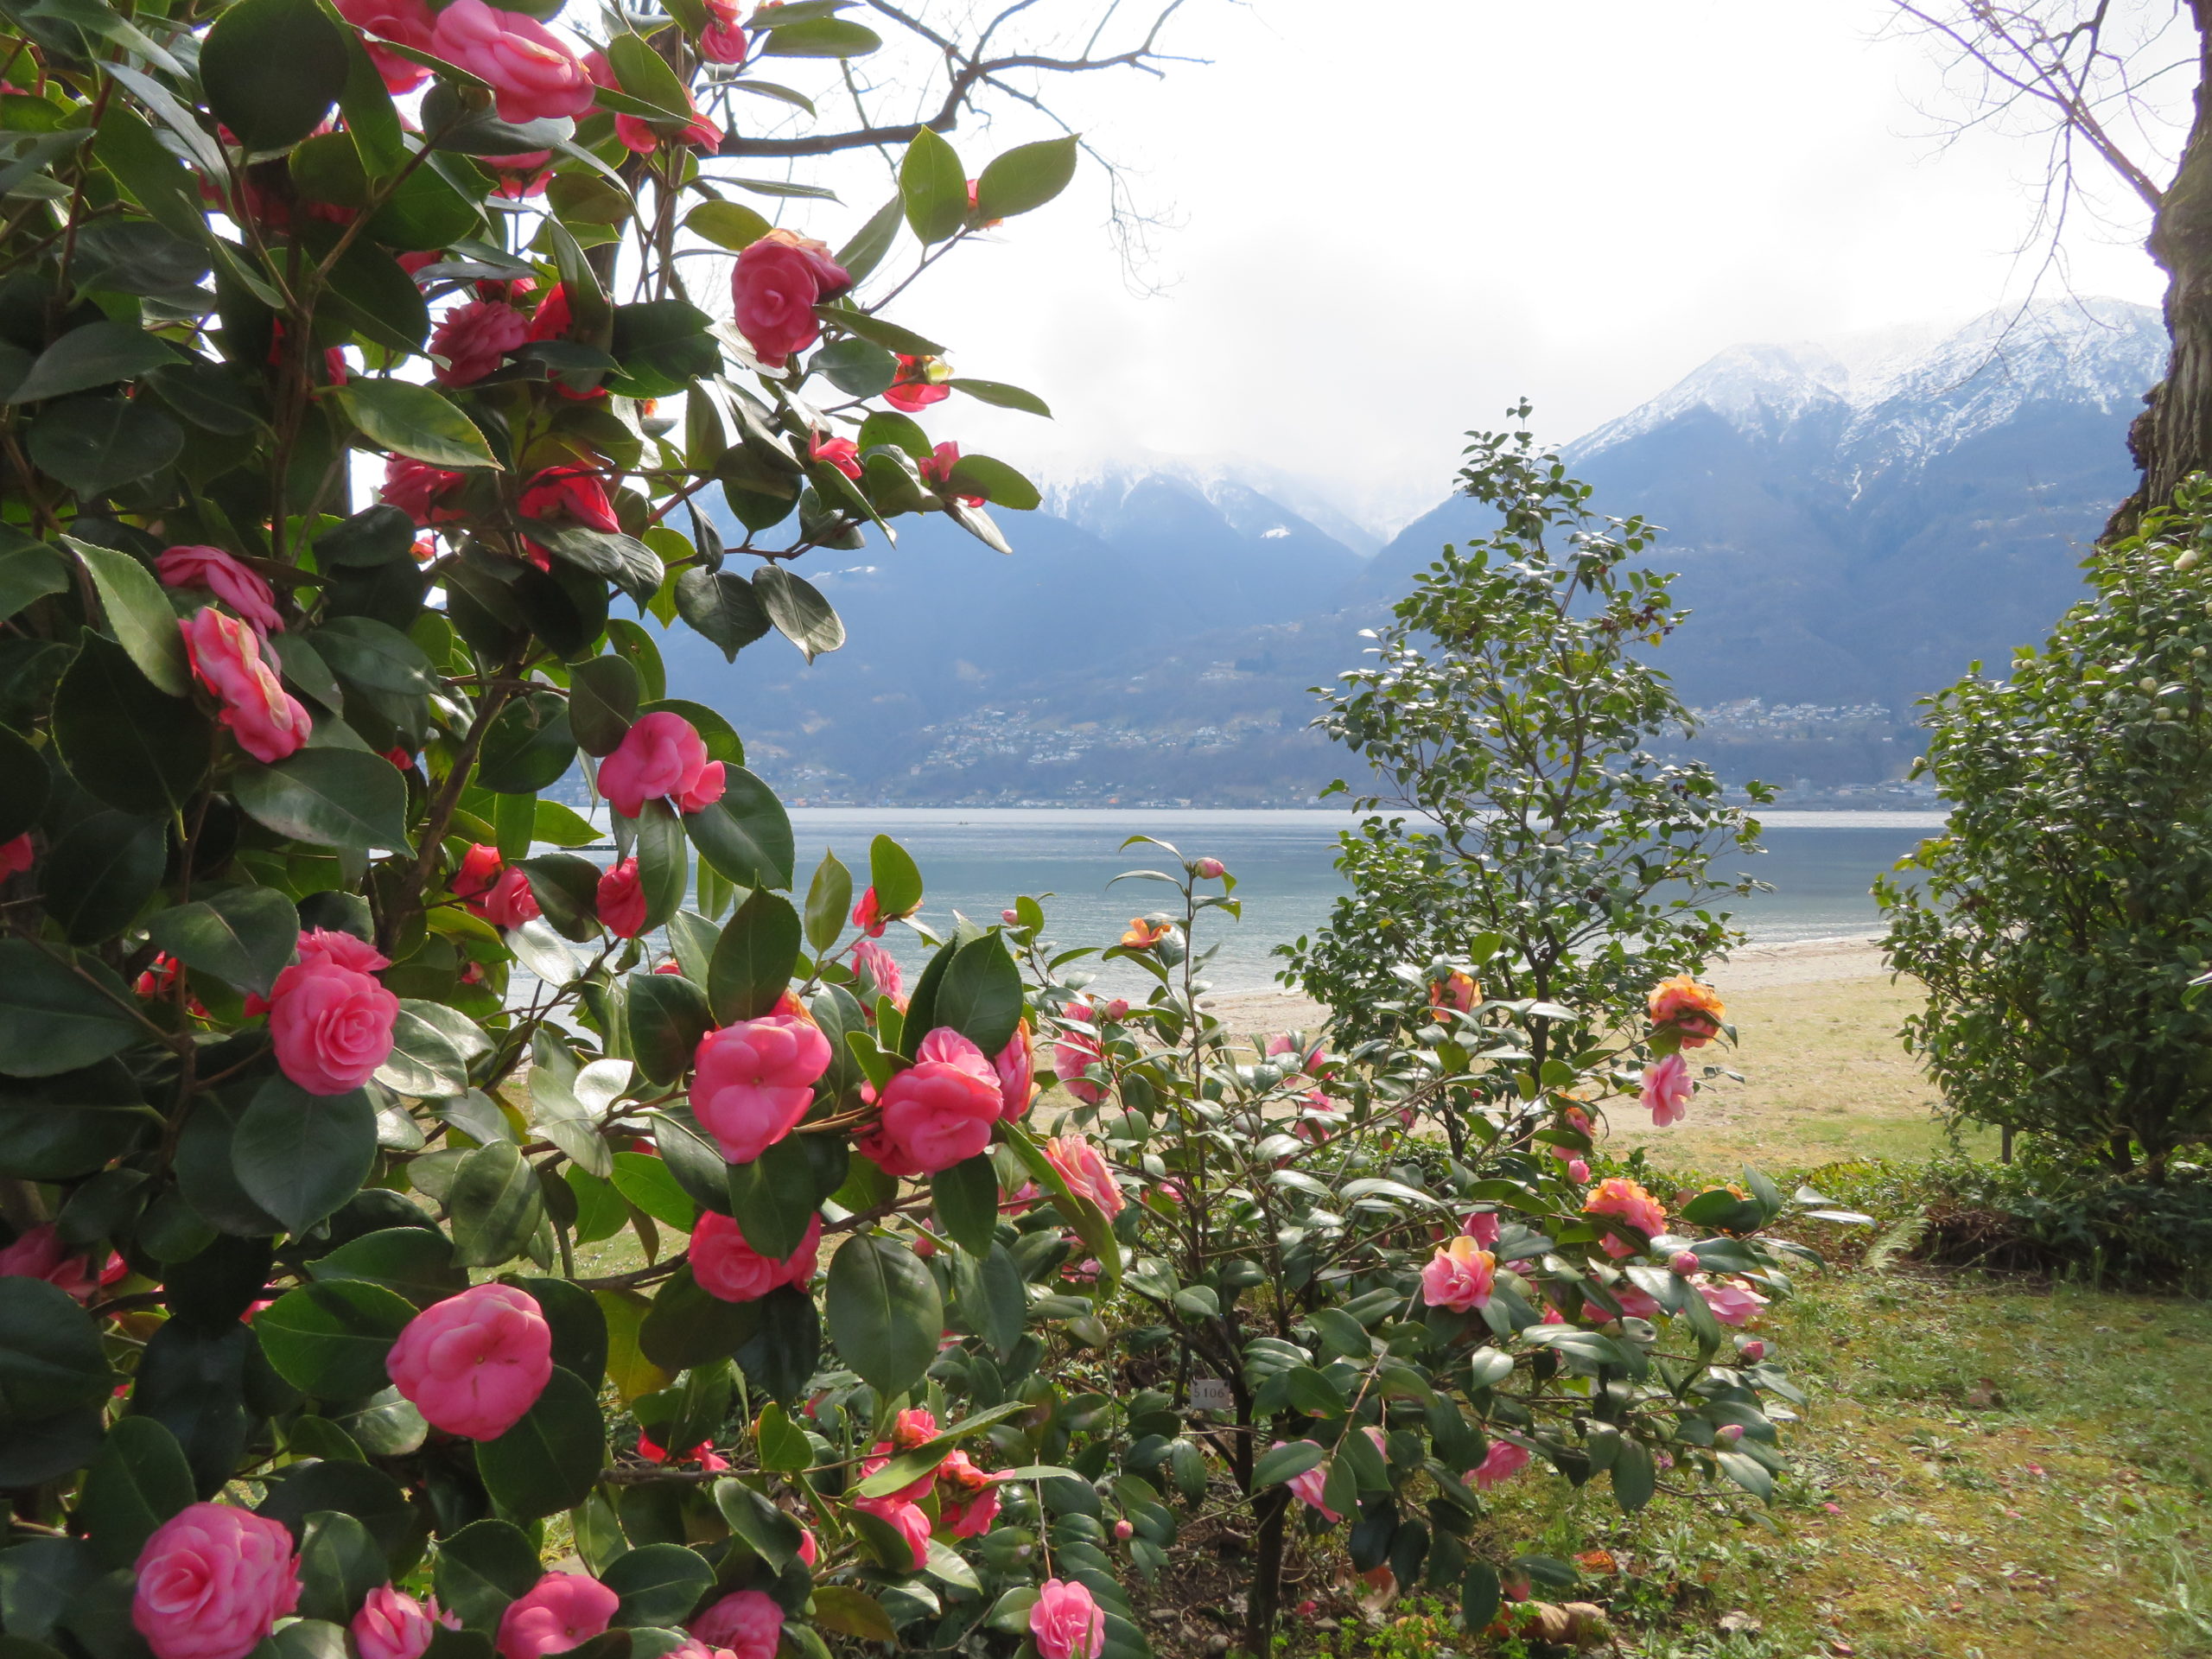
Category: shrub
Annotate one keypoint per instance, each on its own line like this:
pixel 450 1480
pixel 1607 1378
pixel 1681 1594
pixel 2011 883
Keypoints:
pixel 2060 921
pixel 1508 712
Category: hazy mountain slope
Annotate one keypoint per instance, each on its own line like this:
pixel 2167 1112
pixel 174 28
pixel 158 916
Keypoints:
pixel 1849 538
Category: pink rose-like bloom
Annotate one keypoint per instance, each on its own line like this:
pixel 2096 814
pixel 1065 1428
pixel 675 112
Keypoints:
pixel 474 339
pixel 747 1623
pixel 223 577
pixel 1460 1276
pixel 729 1268
pixel 225 655
pixel 914 390
pixel 1066 1624
pixel 490 890
pixel 1578 1172
pixel 620 900
pixel 1636 1304
pixel 340 950
pixel 754 1080
pixel 1310 1487
pixel 907 1520
pixel 935 469
pixel 720 43
pixel 809 1552
pixel 1504 1460
pixel 1481 1225
pixel 474 1364
pixel 1309 1128
pixel 1086 1170
pixel 532 74
pixel 842 453
pixel 392 1625
pixel 407 22
pixel 939 1112
pixel 421 491
pixel 16 856
pixel 870 917
pixel 971 1501
pixel 1619 1197
pixel 914 1427
pixel 1667 1091
pixel 873 963
pixel 212 1580
pixel 777 283
pixel 1731 1303
pixel 40 1254
pixel 570 492
pixel 703 1454
pixel 562 1610
pixel 661 755
pixel 1016 1064
pixel 331 1025
pixel 1074 1054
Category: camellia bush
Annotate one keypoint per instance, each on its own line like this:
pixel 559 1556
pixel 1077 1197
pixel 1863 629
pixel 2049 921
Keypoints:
pixel 1330 1318
pixel 420 1238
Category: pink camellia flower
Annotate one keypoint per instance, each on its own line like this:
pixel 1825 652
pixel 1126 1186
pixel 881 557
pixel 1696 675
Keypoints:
pixel 873 963
pixel 722 41
pixel 1016 1064
pixel 703 1454
pixel 917 1426
pixel 330 1025
pixel 423 492
pixel 212 1581
pixel 755 1079
pixel 914 390
pixel 407 22
pixel 1066 1623
pixel 572 493
pixel 340 948
pixel 1481 1225
pixel 223 577
pixel 1309 1126
pixel 1731 1301
pixel 620 900
pixel 661 754
pixel 1684 1264
pixel 1694 1010
pixel 1752 1349
pixel 935 469
pixel 1619 1197
pixel 40 1254
pixel 776 285
pixel 488 888
pixel 1210 869
pixel 1728 1433
pixel 1667 1091
pixel 562 1610
pixel 392 1625
pixel 1310 1488
pixel 1504 1460
pixel 1123 1531
pixel 869 917
pixel 526 173
pixel 842 453
pixel 969 1501
pixel 1076 1053
pixel 731 1269
pixel 269 721
pixel 748 1623
pixel 1455 993
pixel 938 1111
pixel 475 1363
pixel 1578 1171
pixel 17 855
pixel 473 340
pixel 1086 1170
pixel 1636 1303
pixel 809 1552
pixel 1460 1276
pixel 907 1520
pixel 531 73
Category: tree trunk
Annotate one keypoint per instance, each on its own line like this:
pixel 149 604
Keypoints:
pixel 1272 1508
pixel 2172 437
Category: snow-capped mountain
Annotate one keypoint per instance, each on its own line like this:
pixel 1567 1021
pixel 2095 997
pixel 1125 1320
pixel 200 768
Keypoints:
pixel 1854 523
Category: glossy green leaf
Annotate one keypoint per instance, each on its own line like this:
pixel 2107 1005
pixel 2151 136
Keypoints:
pixel 413 421
pixel 243 935
pixel 128 742
pixel 99 876
pixel 722 608
pixel 272 70
pixel 139 1480
pixel 659 1584
pixel 603 697
pixel 95 444
pixel 772 1198
pixel 329 1340
pixel 753 959
pixel 549 1460
pixel 529 745
pixel 1002 396
pixel 1026 177
pixel 328 797
pixel 482 1567
pixel 138 615
pixel 54 1017
pixel 828 901
pixel 667 1015
pixel 496 1205
pixel 92 354
pixel 801 614
pixel 883 1311
pixel 934 187
pixel 966 1200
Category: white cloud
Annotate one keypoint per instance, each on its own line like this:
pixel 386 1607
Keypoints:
pixel 1395 218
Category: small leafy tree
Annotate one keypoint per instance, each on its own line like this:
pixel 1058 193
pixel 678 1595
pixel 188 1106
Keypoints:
pixel 1328 1320
pixel 1508 711
pixel 2062 921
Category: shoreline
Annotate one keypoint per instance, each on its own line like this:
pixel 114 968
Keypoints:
pixel 1755 967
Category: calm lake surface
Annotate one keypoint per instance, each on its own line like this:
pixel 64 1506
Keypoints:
pixel 977 860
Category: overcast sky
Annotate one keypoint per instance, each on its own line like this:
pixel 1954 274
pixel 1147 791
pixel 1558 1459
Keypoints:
pixel 1391 219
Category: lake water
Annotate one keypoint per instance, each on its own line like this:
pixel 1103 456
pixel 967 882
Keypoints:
pixel 978 860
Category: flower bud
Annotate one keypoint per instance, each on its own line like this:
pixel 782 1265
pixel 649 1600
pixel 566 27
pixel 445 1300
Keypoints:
pixel 1753 1350
pixel 1122 1531
pixel 1728 1433
pixel 1685 1263
pixel 1210 869
pixel 1011 918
